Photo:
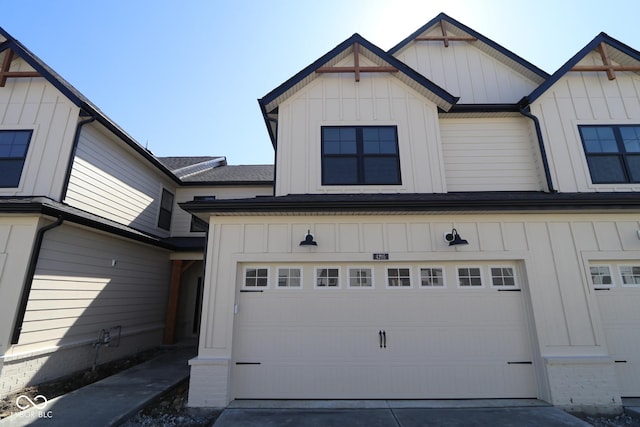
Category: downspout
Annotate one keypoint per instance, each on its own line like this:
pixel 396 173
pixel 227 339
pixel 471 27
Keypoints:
pixel 526 111
pixel 74 148
pixel 28 282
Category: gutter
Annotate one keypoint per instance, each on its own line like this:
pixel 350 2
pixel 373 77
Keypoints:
pixel 74 148
pixel 28 282
pixel 526 111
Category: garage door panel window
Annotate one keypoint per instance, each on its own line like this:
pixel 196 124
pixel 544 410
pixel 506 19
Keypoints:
pixel 398 277
pixel 432 277
pixel 360 277
pixel 470 277
pixel 256 277
pixel 502 277
pixel 328 277
pixel 289 277
pixel 601 276
pixel 630 275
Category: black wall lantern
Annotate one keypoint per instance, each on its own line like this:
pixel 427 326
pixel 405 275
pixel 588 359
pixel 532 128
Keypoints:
pixel 308 240
pixel 454 238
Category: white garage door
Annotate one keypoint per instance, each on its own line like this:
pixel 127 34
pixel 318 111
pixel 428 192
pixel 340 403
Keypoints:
pixel 381 331
pixel 617 287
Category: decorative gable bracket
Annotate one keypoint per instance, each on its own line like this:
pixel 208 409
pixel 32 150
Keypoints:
pixel 608 66
pixel 5 72
pixel 446 38
pixel 357 69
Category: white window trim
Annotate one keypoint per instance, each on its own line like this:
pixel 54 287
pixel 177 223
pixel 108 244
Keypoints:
pixel 624 285
pixel 288 267
pixel 359 267
pixel 444 280
pixel 516 283
pixel 386 273
pixel 482 278
pixel 327 267
pixel 253 267
pixel 611 273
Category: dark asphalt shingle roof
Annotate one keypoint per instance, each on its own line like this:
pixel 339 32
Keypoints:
pixel 235 174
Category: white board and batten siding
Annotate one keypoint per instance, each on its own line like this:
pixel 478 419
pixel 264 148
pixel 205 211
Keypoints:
pixel 110 180
pixel 465 71
pixel 338 100
pixel 16 239
pixel 497 154
pixel 584 98
pixel 561 311
pixel 86 281
pixel 34 104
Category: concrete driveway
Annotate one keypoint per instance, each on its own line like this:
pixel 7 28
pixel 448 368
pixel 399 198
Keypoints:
pixel 393 414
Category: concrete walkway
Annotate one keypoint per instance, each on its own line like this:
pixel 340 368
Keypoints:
pixel 494 413
pixel 112 400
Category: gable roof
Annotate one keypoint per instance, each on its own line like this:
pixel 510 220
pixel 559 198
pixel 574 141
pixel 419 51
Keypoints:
pixel 483 43
pixel 87 107
pixel 622 54
pixel 270 102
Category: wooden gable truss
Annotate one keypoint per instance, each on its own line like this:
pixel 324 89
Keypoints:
pixel 5 69
pixel 357 69
pixel 607 65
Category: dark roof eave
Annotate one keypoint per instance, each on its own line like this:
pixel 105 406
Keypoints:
pixel 86 107
pixel 43 206
pixel 564 69
pixel 499 202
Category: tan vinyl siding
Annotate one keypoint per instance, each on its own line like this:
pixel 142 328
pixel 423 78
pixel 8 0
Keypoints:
pixel 467 72
pixel 77 289
pixel 113 182
pixel 490 155
pixel 584 98
pixel 34 104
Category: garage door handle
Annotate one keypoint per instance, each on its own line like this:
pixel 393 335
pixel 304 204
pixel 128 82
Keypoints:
pixel 384 338
pixel 380 335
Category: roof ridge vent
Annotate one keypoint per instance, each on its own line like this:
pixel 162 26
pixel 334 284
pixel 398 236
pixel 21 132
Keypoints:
pixel 187 171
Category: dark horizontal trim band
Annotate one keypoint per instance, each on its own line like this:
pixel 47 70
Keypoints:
pixel 251 290
pixel 422 202
pixel 520 363
pixel 248 363
pixel 601 289
pixel 620 361
pixel 509 290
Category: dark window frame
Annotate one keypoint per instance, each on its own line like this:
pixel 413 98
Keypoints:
pixel 360 156
pixel 622 155
pixel 164 214
pixel 13 180
pixel 198 225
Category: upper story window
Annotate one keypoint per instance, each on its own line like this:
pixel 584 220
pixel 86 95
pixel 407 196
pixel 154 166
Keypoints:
pixel 13 152
pixel 198 225
pixel 166 208
pixel 613 153
pixel 360 155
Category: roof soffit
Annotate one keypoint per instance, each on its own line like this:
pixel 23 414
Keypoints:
pixel 595 54
pixel 372 53
pixel 444 29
